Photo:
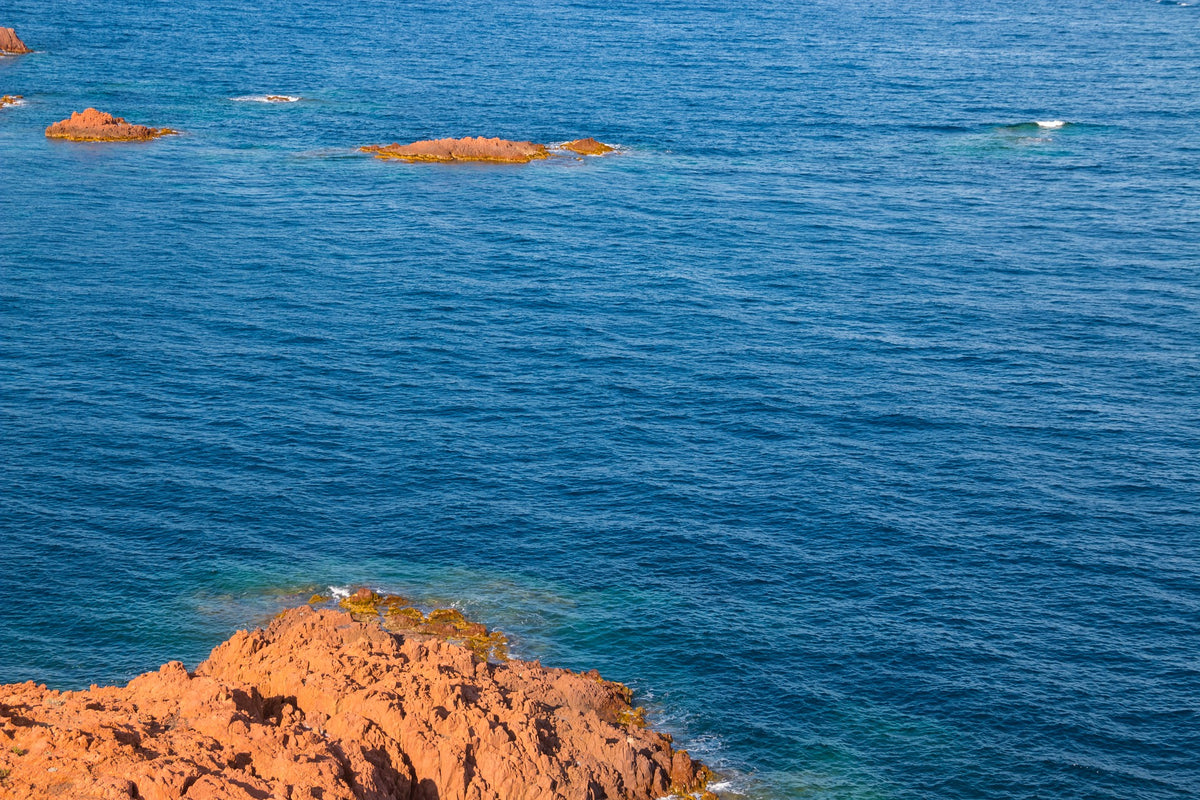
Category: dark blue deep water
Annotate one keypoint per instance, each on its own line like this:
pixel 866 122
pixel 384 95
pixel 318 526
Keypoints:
pixel 849 414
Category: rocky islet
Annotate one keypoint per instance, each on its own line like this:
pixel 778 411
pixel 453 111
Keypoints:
pixel 588 147
pixel 91 125
pixel 327 703
pixel 478 148
pixel 11 44
pixel 470 148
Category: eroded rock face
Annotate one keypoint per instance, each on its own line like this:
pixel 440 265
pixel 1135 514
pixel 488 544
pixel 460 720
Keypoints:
pixel 91 125
pixel 9 100
pixel 469 149
pixel 321 706
pixel 587 147
pixel 11 43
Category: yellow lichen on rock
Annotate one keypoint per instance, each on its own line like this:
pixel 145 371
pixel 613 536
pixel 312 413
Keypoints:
pixel 632 717
pixel 364 601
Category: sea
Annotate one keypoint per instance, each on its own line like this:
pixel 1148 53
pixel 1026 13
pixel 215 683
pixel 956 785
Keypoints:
pixel 849 412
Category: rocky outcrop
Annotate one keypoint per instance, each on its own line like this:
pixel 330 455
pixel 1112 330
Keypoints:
pixel 469 149
pixel 10 100
pixel 11 43
pixel 91 125
pixel 319 705
pixel 587 147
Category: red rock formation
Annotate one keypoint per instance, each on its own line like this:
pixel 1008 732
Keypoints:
pixel 321 706
pixel 468 149
pixel 587 147
pixel 9 100
pixel 11 43
pixel 91 125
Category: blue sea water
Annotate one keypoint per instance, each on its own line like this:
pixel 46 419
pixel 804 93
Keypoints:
pixel 848 413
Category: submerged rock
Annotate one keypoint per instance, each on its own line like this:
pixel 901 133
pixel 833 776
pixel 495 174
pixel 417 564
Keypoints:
pixel 319 705
pixel 10 100
pixel 587 147
pixel 91 125
pixel 469 149
pixel 11 43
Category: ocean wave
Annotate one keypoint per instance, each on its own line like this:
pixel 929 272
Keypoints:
pixel 1037 125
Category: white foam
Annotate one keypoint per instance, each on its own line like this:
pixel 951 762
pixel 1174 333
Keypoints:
pixel 1051 123
pixel 339 592
pixel 266 98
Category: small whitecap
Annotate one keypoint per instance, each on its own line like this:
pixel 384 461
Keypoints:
pixel 339 592
pixel 1051 123
pixel 267 98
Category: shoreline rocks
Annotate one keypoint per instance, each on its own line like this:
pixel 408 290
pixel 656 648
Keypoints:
pixel 470 148
pixel 320 704
pixel 10 100
pixel 588 147
pixel 91 125
pixel 11 44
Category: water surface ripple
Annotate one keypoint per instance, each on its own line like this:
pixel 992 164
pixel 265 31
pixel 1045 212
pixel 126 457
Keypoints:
pixel 850 413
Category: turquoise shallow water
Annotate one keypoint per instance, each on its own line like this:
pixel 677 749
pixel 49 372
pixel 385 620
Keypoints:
pixel 848 414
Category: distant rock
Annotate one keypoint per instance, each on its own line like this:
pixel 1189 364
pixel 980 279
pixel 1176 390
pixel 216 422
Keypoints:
pixel 323 705
pixel 91 125
pixel 469 149
pixel 587 147
pixel 11 43
pixel 10 100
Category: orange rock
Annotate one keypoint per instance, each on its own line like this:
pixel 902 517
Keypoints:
pixel 91 125
pixel 468 149
pixel 587 147
pixel 9 100
pixel 11 43
pixel 318 705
